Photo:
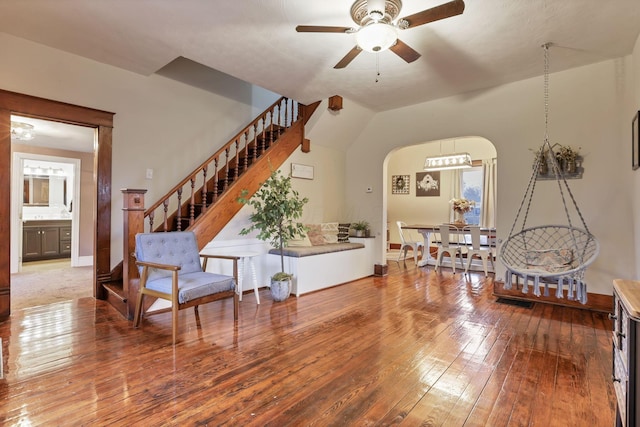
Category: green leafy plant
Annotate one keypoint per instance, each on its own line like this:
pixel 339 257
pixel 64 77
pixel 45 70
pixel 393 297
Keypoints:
pixel 276 206
pixel 360 225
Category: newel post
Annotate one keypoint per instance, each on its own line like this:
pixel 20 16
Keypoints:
pixel 133 223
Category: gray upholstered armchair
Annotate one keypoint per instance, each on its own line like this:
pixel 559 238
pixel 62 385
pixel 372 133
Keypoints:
pixel 169 265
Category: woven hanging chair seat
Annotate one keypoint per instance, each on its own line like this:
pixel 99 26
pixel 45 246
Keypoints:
pixel 550 253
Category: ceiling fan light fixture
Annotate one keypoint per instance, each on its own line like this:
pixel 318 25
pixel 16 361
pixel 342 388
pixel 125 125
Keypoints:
pixel 376 37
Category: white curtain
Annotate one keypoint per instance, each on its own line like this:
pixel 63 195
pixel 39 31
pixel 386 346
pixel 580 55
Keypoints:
pixel 456 190
pixel 489 192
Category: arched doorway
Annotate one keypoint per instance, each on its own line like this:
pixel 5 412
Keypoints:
pixel 407 164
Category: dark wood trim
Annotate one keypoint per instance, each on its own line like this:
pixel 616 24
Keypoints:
pixel 31 106
pixel 102 209
pixel 5 211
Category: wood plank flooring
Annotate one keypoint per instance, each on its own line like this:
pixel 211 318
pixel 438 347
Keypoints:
pixel 412 348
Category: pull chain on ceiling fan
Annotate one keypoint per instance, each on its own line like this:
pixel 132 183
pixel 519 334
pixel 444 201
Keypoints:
pixel 378 28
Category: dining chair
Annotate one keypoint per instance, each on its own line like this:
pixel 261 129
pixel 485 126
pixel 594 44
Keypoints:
pixel 446 245
pixel 476 249
pixel 408 243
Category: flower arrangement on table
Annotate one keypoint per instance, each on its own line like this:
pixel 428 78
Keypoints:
pixel 462 205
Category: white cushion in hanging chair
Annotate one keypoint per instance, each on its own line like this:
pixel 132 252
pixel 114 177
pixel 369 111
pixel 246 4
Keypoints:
pixel 549 251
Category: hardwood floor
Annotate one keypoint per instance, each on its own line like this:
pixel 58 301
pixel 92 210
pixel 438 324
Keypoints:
pixel 412 348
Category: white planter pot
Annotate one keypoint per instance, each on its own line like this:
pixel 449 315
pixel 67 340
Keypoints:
pixel 280 289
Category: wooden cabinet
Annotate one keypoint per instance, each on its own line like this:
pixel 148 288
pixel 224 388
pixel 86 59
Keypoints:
pixel 46 240
pixel 626 351
pixel 65 241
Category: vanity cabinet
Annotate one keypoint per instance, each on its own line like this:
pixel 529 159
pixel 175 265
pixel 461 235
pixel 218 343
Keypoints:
pixel 65 241
pixel 626 351
pixel 46 240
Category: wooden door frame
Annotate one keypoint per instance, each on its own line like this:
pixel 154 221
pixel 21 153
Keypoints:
pixel 102 121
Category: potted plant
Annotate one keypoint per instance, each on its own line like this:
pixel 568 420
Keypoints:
pixel 361 228
pixel 566 157
pixel 541 159
pixel 276 207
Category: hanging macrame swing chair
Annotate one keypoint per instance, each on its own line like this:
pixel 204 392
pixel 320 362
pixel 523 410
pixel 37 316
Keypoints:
pixel 549 254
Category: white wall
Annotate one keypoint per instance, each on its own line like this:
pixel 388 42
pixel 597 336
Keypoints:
pixel 156 118
pixel 326 193
pixel 632 108
pixel 586 110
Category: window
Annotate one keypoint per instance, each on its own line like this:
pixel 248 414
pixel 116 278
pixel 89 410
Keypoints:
pixel 472 190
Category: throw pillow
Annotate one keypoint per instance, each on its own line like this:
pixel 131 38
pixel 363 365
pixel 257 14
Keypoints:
pixel 315 234
pixel 330 232
pixel 551 260
pixel 302 241
pixel 343 232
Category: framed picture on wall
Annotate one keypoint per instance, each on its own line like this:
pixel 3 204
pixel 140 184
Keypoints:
pixel 428 183
pixel 400 184
pixel 635 142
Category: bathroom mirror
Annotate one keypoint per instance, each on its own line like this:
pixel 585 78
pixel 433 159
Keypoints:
pixel 41 190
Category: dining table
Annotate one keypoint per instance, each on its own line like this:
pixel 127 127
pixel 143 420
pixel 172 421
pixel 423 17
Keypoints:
pixel 427 229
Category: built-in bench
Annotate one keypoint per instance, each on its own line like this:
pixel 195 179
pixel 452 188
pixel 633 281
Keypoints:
pixel 322 266
pixel 302 251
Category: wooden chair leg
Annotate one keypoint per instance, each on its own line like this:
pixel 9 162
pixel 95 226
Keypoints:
pixel 174 320
pixel 138 314
pixel 235 306
pixel 197 314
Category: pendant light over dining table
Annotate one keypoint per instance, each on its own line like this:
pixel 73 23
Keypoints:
pixel 448 161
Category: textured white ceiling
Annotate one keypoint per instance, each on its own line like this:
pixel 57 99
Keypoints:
pixel 492 43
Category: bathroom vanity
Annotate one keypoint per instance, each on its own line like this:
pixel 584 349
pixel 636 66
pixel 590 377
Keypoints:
pixel 46 239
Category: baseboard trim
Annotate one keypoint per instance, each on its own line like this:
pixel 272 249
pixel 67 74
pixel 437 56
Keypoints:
pixel 84 261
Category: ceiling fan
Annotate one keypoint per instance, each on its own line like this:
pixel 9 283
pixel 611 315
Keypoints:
pixel 377 30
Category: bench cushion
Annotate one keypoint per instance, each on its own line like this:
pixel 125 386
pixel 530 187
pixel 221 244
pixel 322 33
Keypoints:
pixel 298 252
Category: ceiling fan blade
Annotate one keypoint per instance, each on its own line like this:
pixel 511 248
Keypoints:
pixel 404 51
pixel 321 29
pixel 447 10
pixel 348 57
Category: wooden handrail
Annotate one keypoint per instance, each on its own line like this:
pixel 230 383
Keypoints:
pixel 227 163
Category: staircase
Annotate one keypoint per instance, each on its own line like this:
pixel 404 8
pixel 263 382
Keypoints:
pixel 206 200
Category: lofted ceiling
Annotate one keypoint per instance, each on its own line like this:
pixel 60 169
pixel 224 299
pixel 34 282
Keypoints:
pixel 493 42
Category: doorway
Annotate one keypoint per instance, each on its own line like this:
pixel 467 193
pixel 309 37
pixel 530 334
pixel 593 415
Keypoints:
pixel 46 236
pixel 410 204
pixel 60 176
pixel 101 122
